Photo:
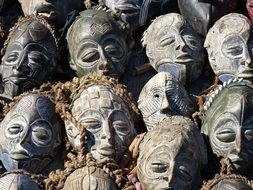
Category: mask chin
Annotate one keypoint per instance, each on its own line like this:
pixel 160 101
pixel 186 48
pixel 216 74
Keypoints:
pixel 176 70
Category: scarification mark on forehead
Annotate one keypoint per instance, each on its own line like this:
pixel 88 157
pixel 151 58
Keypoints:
pixel 24 104
pixel 96 97
pixel 100 29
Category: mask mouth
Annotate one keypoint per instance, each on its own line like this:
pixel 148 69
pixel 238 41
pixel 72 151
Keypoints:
pixel 17 79
pixel 19 155
pixel 106 150
pixel 183 58
pixel 246 73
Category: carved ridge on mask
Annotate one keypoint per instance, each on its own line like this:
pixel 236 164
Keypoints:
pixel 22 20
pixel 108 167
pixel 35 178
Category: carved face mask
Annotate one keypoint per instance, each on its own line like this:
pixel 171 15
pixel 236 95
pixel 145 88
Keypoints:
pixel 109 125
pixel 171 156
pixel 161 97
pixel 30 134
pixel 15 181
pixel 89 178
pixel 229 45
pixel 173 46
pixel 135 12
pixel 97 44
pixel 54 10
pixel 228 124
pixel 29 59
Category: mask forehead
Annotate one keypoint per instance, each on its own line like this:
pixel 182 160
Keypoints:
pixel 236 100
pixel 89 178
pixel 18 182
pixel 98 97
pixel 32 31
pixel 93 25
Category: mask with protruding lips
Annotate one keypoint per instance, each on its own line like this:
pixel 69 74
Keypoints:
pixel 173 46
pixel 29 59
pixel 109 125
pixel 30 134
pixel 229 44
pixel 227 123
pixel 171 156
pixel 97 44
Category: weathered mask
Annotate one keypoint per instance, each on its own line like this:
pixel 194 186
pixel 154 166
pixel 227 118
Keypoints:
pixel 18 181
pixel 173 46
pixel 172 156
pixel 228 182
pixel 29 59
pixel 99 115
pixel 136 12
pixel 55 11
pixel 201 14
pixel 109 125
pixel 89 178
pixel 30 134
pixel 97 44
pixel 229 45
pixel 163 96
pixel 227 123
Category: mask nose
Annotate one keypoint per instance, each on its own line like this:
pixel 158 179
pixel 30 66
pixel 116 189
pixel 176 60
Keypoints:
pixel 180 43
pixel 165 104
pixel 103 62
pixel 106 132
pixel 248 62
pixel 20 62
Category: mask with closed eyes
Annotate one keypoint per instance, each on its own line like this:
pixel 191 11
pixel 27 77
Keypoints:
pixel 163 96
pixel 229 45
pixel 107 119
pixel 30 135
pixel 29 59
pixel 227 123
pixel 171 156
pixel 173 46
pixel 97 44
